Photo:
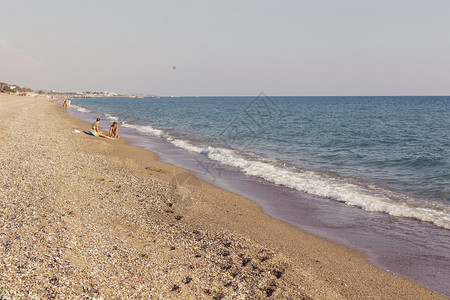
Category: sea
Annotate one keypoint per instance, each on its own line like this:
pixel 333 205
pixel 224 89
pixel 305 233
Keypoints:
pixel 370 173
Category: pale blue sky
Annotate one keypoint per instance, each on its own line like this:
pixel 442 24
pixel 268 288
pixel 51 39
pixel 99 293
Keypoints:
pixel 229 47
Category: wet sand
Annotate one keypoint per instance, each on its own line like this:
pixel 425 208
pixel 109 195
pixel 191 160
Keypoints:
pixel 89 217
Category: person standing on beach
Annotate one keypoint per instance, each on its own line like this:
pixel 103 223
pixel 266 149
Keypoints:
pixel 66 103
pixel 114 130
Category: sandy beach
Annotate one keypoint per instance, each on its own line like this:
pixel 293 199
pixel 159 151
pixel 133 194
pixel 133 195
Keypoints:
pixel 87 217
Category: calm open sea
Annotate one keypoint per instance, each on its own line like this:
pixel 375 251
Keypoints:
pixel 389 157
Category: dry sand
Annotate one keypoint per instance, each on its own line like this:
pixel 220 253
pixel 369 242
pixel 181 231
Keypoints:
pixel 86 217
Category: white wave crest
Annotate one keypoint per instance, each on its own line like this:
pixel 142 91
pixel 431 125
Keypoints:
pixel 145 129
pixel 187 146
pixel 81 109
pixel 112 118
pixel 373 199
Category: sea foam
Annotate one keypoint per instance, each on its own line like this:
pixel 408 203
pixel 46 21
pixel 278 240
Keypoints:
pixel 343 190
pixel 350 191
pixel 81 109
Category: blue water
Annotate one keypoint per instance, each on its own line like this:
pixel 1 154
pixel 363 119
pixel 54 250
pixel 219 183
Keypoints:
pixel 381 154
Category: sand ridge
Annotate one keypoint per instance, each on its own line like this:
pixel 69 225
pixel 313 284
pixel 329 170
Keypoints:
pixel 85 217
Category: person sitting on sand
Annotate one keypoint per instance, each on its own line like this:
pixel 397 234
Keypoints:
pixel 114 130
pixel 95 131
pixel 95 125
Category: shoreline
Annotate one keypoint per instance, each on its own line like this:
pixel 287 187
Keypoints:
pixel 231 236
pixel 421 256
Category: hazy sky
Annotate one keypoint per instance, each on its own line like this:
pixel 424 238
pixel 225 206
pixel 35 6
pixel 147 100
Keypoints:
pixel 320 47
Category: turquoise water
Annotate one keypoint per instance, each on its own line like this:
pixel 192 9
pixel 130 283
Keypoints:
pixel 381 154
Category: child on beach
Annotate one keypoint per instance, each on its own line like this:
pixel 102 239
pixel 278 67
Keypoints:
pixel 114 130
